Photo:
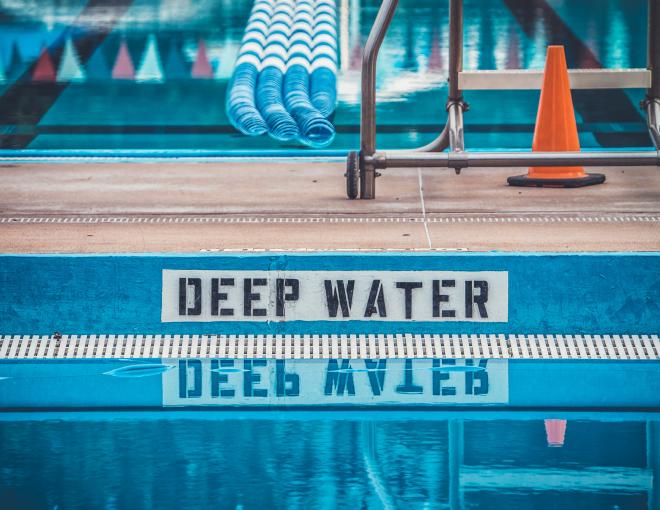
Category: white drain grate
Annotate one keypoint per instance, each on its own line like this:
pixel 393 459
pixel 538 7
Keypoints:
pixel 332 346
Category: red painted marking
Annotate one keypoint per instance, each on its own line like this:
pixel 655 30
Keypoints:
pixel 123 68
pixel 44 70
pixel 202 68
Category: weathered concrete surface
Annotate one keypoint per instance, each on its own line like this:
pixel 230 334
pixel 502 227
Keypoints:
pixel 175 188
pixel 298 192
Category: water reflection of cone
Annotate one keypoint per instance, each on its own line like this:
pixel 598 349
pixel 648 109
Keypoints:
pixel 587 59
pixel 356 56
pixel 556 130
pixel 513 52
pixel 44 70
pixel 123 68
pixel 435 58
pixel 555 431
pixel 202 67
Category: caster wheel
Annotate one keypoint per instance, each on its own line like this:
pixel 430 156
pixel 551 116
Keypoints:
pixel 352 175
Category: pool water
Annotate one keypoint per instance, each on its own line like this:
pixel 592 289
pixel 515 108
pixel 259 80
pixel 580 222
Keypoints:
pixel 353 460
pixel 89 109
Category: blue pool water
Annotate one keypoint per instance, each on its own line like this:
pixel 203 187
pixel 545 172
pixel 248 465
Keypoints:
pixel 328 460
pixel 179 111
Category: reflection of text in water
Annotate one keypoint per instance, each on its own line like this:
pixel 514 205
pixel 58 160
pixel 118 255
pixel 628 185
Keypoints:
pixel 335 381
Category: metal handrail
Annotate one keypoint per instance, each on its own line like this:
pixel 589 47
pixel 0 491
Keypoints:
pixel 464 159
pixel 451 137
pixel 368 105
pixel 653 120
pixel 530 79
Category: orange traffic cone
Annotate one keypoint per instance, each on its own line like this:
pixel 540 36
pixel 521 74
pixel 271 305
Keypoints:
pixel 556 130
pixel 555 431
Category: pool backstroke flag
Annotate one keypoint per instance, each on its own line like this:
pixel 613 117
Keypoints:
pixel 265 296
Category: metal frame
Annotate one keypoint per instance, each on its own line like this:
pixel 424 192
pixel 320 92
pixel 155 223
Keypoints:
pixel 451 137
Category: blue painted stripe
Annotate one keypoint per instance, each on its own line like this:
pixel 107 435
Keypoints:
pixel 580 384
pixel 596 293
pixel 68 385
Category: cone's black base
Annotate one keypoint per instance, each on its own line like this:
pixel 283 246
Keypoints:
pixel 587 180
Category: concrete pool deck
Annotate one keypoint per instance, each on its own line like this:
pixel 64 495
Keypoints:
pixel 188 207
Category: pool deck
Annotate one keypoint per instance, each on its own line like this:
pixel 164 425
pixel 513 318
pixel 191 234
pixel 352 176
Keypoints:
pixel 192 207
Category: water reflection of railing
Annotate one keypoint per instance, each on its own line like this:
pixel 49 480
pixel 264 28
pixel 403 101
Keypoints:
pixel 325 461
pixel 484 478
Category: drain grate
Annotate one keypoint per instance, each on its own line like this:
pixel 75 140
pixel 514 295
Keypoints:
pixel 332 346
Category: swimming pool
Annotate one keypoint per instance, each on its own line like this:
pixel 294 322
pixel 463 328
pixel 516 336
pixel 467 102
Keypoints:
pixel 445 380
pixel 177 111
pixel 329 460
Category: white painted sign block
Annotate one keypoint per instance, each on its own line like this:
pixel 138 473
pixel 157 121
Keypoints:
pixel 265 296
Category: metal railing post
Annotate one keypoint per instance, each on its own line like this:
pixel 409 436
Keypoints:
pixel 452 134
pixel 653 120
pixel 455 48
pixel 368 105
pixel 456 142
pixel 455 103
pixel 654 48
pixel 652 102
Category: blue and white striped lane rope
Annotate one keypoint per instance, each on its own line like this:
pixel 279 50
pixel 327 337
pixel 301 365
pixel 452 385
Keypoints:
pixel 324 57
pixel 315 130
pixel 270 103
pixel 240 104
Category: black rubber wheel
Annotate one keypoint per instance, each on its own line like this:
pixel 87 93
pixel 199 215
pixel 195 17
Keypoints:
pixel 352 175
